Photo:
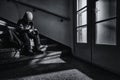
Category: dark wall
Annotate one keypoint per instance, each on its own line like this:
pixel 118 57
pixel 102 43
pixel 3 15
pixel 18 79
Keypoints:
pixel 48 25
pixel 8 10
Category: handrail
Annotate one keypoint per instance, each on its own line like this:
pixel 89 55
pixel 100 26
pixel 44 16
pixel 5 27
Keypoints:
pixel 43 10
pixel 8 22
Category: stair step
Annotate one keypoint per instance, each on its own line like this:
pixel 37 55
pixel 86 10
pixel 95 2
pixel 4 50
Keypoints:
pixel 55 47
pixel 54 61
pixel 52 53
pixel 46 41
pixel 49 55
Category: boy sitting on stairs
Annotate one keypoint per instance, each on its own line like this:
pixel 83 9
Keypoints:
pixel 28 33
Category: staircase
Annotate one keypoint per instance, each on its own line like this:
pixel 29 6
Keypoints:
pixel 54 50
pixel 53 45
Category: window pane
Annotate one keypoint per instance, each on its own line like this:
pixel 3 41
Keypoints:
pixel 81 4
pixel 82 35
pixel 82 17
pixel 106 32
pixel 105 9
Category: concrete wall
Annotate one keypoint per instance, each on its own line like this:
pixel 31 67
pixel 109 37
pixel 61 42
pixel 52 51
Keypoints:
pixel 48 25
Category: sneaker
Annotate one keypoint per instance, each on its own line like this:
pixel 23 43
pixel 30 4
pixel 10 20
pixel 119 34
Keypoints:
pixel 42 48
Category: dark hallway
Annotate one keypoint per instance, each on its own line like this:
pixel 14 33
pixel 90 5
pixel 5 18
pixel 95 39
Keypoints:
pixel 59 40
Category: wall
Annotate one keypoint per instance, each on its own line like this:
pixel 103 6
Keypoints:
pixel 48 25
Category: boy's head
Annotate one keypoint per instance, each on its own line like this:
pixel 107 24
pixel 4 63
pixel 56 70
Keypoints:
pixel 28 16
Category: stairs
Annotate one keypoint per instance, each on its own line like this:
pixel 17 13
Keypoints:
pixel 54 49
pixel 53 45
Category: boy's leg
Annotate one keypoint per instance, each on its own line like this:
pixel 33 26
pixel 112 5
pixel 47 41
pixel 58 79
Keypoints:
pixel 26 40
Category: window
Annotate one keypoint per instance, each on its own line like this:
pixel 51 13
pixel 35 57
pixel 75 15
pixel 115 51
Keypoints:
pixel 81 21
pixel 106 22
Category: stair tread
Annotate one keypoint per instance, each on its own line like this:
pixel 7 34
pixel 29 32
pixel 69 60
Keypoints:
pixel 51 54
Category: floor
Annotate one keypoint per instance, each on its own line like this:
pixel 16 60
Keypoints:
pixel 53 64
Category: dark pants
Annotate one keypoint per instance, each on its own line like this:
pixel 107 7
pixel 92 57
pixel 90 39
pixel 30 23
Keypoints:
pixel 26 36
pixel 10 39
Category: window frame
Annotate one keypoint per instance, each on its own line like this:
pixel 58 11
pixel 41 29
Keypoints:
pixel 81 26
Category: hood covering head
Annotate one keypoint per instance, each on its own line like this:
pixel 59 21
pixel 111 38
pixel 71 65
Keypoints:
pixel 28 16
